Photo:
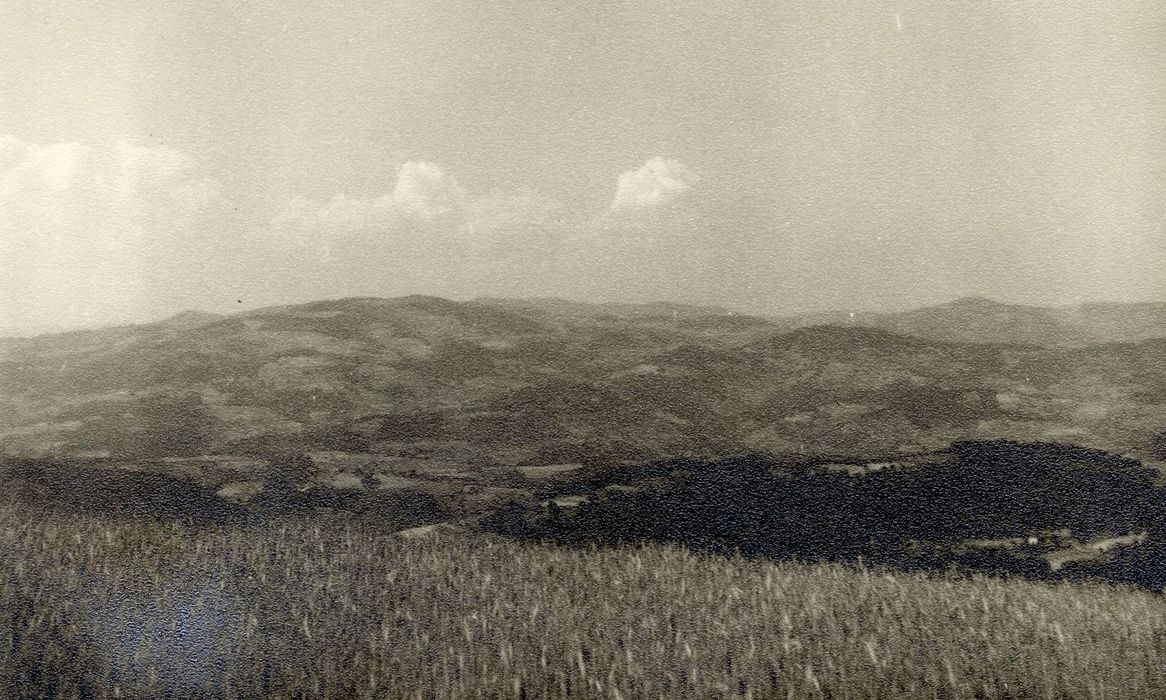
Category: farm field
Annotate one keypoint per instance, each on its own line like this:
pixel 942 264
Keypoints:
pixel 100 606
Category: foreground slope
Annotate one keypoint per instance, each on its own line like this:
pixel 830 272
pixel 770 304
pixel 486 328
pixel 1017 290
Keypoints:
pixel 96 607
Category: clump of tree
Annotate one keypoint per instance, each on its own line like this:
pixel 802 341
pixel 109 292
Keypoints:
pixel 1158 446
pixel 291 487
pixel 760 506
pixel 160 424
pixel 288 476
pixel 85 486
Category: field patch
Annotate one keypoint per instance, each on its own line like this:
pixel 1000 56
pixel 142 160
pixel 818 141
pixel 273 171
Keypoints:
pixel 103 607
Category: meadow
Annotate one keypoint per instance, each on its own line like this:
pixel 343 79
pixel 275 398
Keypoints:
pixel 106 607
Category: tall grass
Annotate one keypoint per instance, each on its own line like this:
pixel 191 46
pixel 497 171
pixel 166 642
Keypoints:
pixel 97 607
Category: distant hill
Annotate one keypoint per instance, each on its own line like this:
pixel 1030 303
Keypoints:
pixel 981 320
pixel 550 381
pixel 551 306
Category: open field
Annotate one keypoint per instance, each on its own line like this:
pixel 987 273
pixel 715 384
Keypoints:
pixel 97 607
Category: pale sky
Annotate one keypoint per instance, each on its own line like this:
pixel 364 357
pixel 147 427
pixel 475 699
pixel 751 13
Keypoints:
pixel 769 156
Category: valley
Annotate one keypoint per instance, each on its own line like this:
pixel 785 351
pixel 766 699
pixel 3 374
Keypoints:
pixel 419 410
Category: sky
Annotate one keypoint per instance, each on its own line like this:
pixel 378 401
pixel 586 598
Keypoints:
pixel 769 157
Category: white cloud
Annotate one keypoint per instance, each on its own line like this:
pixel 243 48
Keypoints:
pixel 427 233
pixel 75 191
pixel 425 202
pixel 424 191
pixel 657 182
pixel 423 194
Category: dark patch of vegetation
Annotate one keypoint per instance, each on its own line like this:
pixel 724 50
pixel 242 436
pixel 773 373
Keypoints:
pixel 288 490
pixel 908 516
pixel 160 424
pixel 106 487
pixel 1158 446
pixel 91 487
pixel 176 425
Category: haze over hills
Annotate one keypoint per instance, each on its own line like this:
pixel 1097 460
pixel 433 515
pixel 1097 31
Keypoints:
pixel 545 380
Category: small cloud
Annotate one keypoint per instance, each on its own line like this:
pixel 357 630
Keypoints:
pixel 424 204
pixel 657 182
pixel 423 190
pixel 76 189
pixel 422 193
pixel 426 233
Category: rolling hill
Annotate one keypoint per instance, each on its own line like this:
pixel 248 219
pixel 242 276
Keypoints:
pixel 537 381
pixel 981 320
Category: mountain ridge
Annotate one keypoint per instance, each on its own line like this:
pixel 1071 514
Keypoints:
pixel 514 382
pixel 1070 325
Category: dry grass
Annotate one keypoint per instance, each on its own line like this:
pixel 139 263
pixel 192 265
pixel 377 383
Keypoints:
pixel 92 607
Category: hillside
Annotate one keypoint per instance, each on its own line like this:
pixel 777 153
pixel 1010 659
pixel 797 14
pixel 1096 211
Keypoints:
pixel 331 480
pixel 349 611
pixel 545 381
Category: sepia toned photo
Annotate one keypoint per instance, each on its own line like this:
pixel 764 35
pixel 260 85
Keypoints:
pixel 615 349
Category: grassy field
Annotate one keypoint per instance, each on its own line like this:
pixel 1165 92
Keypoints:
pixel 94 607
